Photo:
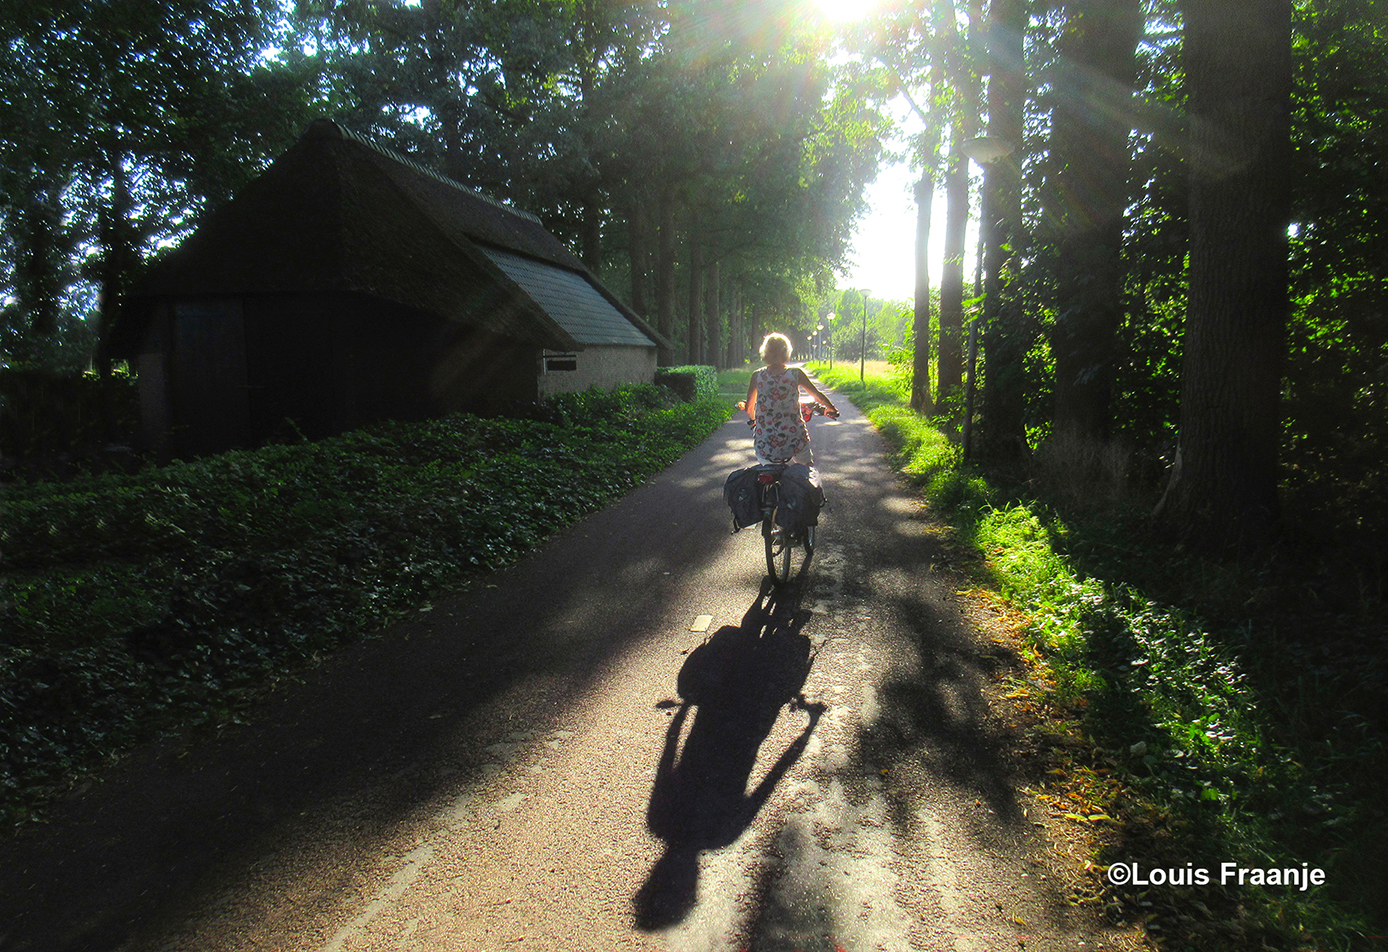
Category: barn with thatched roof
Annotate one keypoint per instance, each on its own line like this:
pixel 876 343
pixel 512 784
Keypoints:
pixel 347 284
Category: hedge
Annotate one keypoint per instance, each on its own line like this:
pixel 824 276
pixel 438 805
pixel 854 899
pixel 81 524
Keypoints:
pixel 692 382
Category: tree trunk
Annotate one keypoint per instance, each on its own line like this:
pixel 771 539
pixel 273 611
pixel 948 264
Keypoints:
pixel 639 250
pixel 584 41
pixel 696 299
pixel 737 340
pixel 592 234
pixel 119 259
pixel 1089 145
pixel 38 284
pixel 1006 330
pixel 948 372
pixel 920 366
pixel 665 276
pixel 1223 489
pixel 714 317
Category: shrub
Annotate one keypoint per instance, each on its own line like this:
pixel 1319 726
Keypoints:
pixel 694 382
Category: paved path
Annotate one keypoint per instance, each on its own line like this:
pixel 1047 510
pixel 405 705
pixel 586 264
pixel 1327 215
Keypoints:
pixel 626 741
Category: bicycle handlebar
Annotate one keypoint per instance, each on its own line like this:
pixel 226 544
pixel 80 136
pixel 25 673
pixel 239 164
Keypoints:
pixel 807 410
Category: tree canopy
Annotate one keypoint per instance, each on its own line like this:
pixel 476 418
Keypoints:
pixel 702 143
pixel 708 159
pixel 1182 221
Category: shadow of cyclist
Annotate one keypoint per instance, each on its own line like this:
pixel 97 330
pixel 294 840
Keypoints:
pixel 739 680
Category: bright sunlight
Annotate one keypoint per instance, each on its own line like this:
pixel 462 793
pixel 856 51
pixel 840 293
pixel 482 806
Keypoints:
pixel 843 11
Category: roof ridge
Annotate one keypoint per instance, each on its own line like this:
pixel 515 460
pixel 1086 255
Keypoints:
pixel 320 125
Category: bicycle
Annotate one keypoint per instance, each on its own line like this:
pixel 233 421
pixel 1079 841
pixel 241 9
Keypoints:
pixel 778 543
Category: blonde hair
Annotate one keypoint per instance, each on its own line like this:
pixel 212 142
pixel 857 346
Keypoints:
pixel 775 343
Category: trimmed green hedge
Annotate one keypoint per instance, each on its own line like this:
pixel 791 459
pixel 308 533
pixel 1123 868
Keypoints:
pixel 135 603
pixel 692 382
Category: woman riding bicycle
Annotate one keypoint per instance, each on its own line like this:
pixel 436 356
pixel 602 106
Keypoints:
pixel 779 434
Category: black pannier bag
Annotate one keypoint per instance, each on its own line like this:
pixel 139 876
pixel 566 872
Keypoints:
pixel 740 493
pixel 800 498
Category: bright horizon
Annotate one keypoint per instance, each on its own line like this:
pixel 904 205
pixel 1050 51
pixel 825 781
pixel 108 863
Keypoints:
pixel 883 255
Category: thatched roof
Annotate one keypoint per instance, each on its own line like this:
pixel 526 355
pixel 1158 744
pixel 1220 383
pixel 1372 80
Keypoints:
pixel 338 214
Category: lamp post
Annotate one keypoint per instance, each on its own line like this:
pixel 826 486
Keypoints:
pixel 832 315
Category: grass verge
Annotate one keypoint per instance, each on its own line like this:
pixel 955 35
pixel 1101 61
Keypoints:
pixel 170 599
pixel 1191 682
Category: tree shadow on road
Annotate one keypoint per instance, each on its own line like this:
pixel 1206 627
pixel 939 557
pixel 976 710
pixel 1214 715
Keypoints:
pixel 739 679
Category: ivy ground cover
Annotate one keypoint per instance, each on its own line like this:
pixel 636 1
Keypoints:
pixel 134 604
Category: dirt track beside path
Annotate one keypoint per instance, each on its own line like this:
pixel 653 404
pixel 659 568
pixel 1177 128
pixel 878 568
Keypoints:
pixel 626 741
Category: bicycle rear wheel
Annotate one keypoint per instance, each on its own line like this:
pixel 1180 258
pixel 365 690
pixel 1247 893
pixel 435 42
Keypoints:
pixel 778 548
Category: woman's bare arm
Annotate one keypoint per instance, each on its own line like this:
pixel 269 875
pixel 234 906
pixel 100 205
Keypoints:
pixel 750 405
pixel 823 401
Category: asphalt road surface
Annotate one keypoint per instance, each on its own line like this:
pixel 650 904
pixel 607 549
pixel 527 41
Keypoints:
pixel 626 741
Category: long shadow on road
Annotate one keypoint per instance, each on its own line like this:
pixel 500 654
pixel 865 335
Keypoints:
pixel 739 680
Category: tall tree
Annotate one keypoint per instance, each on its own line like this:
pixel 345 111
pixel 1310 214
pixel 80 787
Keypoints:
pixel 921 400
pixel 1336 398
pixel 1223 487
pixel 665 272
pixel 949 363
pixel 713 315
pixel 960 66
pixel 1088 193
pixel 697 275
pixel 118 123
pixel 665 112
pixel 1007 330
pixel 911 44
pixel 639 251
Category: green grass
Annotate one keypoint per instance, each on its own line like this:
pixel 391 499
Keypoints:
pixel 170 599
pixel 1168 665
pixel 733 383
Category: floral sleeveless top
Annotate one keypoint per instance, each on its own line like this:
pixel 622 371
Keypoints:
pixel 780 430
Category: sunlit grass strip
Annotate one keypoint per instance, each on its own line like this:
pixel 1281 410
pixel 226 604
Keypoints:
pixel 1164 702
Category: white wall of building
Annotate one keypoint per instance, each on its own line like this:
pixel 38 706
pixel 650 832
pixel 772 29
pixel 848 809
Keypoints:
pixel 597 366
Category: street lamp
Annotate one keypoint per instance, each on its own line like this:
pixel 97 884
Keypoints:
pixel 988 149
pixel 832 315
